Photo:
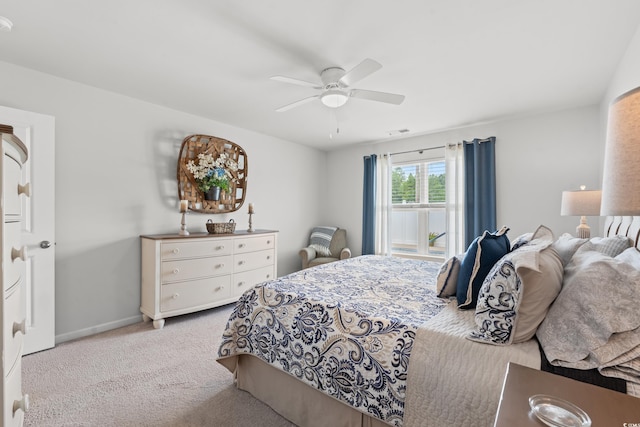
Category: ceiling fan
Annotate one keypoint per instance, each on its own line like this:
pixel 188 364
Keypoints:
pixel 335 87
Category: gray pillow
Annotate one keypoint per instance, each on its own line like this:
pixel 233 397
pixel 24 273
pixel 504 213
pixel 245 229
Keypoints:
pixel 598 302
pixel 611 246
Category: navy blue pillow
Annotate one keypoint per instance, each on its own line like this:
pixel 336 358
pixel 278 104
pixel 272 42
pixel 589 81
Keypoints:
pixel 480 257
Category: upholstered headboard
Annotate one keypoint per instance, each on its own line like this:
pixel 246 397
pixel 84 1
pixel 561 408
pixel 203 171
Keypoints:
pixel 624 226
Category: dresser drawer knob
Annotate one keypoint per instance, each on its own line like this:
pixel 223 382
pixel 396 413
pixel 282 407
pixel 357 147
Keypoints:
pixel 20 327
pixel 241 245
pixel 220 266
pixel 218 288
pixel 21 404
pixel 268 276
pixel 176 270
pixel 25 189
pixel 268 242
pixel 219 248
pixel 240 283
pixel 175 250
pixel 268 256
pixel 19 253
pixel 175 296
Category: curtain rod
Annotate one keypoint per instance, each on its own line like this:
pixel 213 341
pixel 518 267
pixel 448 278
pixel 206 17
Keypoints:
pixel 420 150
pixel 478 140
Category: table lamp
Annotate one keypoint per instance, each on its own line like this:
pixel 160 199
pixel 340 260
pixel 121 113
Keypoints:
pixel 621 175
pixel 581 203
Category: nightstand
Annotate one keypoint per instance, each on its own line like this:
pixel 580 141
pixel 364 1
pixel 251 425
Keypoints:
pixel 605 407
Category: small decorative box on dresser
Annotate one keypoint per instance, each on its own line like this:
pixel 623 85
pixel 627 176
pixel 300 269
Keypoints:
pixel 183 274
pixel 12 314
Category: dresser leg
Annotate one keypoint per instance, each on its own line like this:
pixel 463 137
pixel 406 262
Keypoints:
pixel 158 324
pixel 146 318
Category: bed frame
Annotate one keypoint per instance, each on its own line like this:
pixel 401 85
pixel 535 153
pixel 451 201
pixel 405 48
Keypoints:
pixel 624 226
pixel 306 406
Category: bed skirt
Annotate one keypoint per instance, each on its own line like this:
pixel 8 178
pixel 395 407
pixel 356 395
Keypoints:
pixel 293 397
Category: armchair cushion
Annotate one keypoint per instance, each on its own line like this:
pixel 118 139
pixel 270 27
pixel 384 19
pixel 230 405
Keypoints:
pixel 320 240
pixel 337 250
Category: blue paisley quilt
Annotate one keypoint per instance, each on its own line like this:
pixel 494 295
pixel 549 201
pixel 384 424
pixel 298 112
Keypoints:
pixel 346 328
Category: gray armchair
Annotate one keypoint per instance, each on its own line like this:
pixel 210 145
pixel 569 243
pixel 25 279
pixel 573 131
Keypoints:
pixel 337 248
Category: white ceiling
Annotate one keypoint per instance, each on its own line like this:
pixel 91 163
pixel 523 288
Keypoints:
pixel 458 62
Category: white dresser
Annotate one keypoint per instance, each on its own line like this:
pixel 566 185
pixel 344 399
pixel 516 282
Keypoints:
pixel 12 318
pixel 183 274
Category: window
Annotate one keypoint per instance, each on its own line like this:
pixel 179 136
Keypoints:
pixel 418 222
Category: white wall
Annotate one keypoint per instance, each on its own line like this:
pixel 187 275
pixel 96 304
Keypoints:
pixel 627 75
pixel 116 179
pixel 537 158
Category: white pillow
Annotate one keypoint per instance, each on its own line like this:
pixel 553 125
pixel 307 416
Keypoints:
pixel 447 279
pixel 567 245
pixel 631 256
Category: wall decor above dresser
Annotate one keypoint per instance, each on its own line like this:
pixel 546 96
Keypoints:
pixel 212 174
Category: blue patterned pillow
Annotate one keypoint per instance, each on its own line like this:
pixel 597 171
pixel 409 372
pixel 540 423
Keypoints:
pixel 480 257
pixel 498 305
pixel 518 291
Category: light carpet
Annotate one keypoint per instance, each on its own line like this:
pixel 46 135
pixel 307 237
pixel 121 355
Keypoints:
pixel 140 376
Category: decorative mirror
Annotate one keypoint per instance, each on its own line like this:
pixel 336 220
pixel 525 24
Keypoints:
pixel 212 174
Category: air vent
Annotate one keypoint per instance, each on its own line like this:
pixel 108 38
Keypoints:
pixel 398 132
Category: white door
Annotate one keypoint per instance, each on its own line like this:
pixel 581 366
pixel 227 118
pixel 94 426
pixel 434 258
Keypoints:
pixel 37 131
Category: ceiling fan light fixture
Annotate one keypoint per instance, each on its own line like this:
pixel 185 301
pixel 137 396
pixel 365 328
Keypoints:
pixel 334 98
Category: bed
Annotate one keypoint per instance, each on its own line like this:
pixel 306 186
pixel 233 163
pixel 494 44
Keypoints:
pixel 367 342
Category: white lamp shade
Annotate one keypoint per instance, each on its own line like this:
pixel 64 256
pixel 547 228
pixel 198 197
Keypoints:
pixel 581 203
pixel 621 176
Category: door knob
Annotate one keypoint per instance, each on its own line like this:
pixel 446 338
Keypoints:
pixel 45 244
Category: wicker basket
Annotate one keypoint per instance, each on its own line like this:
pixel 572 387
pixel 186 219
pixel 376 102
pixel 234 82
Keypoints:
pixel 221 227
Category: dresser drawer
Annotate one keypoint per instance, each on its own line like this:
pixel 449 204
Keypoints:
pixel 194 293
pixel 246 280
pixel 251 244
pixel 186 269
pixel 13 268
pixel 12 177
pixel 13 393
pixel 253 260
pixel 180 250
pixel 13 314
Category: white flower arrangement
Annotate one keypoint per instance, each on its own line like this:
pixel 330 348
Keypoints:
pixel 210 172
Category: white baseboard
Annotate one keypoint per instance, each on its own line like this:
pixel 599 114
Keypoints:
pixel 97 329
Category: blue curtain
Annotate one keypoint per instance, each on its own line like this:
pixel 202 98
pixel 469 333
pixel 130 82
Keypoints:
pixel 480 187
pixel 369 205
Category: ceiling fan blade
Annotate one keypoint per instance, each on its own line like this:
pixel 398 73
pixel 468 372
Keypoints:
pixel 389 98
pixel 297 103
pixel 298 82
pixel 360 71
